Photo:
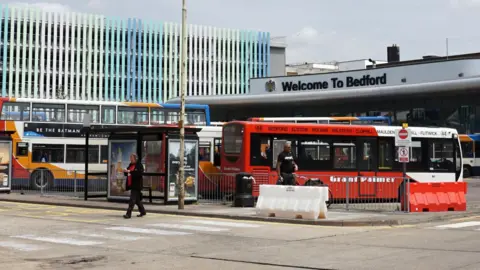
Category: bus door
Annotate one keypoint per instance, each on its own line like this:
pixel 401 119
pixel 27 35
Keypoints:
pixel 5 164
pixel 367 167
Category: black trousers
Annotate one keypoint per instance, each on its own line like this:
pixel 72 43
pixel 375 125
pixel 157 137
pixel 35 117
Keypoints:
pixel 288 179
pixel 136 197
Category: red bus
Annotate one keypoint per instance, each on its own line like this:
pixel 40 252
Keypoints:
pixel 363 156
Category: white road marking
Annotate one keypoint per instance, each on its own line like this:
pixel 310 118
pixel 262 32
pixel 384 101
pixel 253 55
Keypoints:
pixel 224 223
pixel 189 227
pixel 146 231
pixel 20 246
pixel 102 236
pixel 68 241
pixel 459 225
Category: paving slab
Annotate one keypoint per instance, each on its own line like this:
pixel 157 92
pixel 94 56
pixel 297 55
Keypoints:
pixel 335 217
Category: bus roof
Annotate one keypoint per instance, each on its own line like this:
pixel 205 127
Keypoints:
pixel 469 137
pixel 105 103
pixel 357 130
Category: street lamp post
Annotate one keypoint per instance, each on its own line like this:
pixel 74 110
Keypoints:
pixel 183 78
pixel 86 131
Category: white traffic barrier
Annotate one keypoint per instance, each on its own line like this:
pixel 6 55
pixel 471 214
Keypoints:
pixel 306 202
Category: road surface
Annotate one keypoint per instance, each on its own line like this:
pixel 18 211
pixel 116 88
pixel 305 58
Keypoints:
pixel 53 237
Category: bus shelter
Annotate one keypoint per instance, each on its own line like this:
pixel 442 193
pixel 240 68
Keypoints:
pixel 158 149
pixel 6 160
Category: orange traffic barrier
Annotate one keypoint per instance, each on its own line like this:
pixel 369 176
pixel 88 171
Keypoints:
pixel 436 197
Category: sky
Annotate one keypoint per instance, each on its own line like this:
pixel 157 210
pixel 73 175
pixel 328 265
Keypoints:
pixel 316 30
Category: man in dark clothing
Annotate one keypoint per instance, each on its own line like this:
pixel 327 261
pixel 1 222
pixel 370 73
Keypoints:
pixel 286 166
pixel 134 173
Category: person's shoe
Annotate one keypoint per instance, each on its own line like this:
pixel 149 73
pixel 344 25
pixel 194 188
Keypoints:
pixel 142 214
pixel 126 216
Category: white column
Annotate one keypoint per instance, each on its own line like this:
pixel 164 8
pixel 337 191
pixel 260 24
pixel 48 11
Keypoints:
pixel 24 54
pixel 190 60
pixel 229 61
pixel 43 50
pixel 176 61
pixel 195 61
pixel 170 60
pixel 214 61
pixel 210 61
pixel 166 60
pixel 219 61
pixel 205 60
pixel 55 88
pixel 18 54
pixel 10 80
pixel 48 69
pixel 101 67
pixel 201 78
pixel 30 54
pixel 79 92
pixel 85 71
pixel 67 84
pixel 36 83
pixel 61 52
pixel 224 60
pixel 237 63
pixel 94 49
pixel 88 61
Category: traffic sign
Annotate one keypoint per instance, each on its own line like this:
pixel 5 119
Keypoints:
pixel 403 154
pixel 403 137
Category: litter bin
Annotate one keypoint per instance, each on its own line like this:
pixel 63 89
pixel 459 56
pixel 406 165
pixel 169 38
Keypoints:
pixel 243 190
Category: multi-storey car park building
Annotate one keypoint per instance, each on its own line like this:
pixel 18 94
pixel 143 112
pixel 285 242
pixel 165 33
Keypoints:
pixel 79 56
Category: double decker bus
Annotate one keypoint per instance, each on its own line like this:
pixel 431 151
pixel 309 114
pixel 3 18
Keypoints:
pixel 48 146
pixel 471 154
pixel 363 156
pixel 341 120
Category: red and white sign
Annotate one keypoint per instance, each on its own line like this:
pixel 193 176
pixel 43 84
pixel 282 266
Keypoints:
pixel 403 137
pixel 403 154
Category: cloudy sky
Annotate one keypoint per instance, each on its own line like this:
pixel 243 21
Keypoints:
pixel 317 30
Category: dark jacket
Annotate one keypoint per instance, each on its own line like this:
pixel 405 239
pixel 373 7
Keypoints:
pixel 137 177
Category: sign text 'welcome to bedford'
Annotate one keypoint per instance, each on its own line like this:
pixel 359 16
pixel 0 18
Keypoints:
pixel 349 81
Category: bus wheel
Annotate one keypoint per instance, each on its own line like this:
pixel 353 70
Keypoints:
pixel 41 178
pixel 467 171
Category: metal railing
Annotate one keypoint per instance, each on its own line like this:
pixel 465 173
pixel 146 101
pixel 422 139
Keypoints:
pixel 58 182
pixel 346 192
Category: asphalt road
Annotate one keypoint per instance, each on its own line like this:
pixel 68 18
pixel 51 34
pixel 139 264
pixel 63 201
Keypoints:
pixel 52 237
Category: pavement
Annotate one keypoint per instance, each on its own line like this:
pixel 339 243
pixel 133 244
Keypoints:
pixel 336 217
pixel 37 236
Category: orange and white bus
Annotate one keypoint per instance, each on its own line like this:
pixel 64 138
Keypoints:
pixel 47 147
pixel 363 156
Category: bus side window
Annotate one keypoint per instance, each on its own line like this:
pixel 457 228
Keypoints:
pixel 204 152
pixel 22 149
pixel 261 154
pixel 216 148
pixel 467 149
pixel 385 154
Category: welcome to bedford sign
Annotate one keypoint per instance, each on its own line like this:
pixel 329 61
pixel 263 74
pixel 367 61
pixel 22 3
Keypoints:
pixel 332 83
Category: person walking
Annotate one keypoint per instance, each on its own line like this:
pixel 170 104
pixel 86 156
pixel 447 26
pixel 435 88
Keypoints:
pixel 134 173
